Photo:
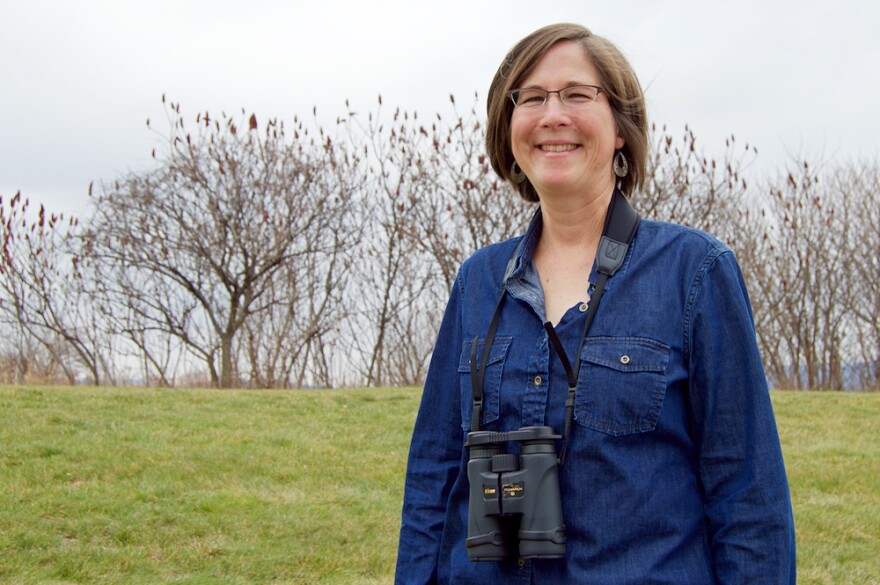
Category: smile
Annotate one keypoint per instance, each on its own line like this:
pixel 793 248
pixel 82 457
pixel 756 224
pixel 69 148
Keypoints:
pixel 557 147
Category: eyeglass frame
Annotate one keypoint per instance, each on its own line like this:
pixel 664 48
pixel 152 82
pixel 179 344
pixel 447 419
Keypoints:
pixel 558 92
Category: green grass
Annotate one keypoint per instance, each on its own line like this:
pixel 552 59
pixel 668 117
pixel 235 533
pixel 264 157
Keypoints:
pixel 204 486
pixel 200 486
pixel 831 445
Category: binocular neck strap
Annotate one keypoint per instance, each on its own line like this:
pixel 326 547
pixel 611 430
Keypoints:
pixel 620 228
pixel 572 372
pixel 478 369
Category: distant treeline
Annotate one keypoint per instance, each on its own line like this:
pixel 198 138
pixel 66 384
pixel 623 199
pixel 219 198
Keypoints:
pixel 268 254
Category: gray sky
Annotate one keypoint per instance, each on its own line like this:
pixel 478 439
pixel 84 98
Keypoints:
pixel 79 79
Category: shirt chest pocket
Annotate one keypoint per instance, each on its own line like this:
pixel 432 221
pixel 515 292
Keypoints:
pixel 494 368
pixel 621 384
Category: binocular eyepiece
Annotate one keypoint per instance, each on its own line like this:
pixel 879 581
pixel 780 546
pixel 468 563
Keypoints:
pixel 515 508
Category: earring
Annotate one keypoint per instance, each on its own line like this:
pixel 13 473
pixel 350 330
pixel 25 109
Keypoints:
pixel 621 166
pixel 516 174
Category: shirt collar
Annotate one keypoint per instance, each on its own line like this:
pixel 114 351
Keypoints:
pixel 517 264
pixel 521 271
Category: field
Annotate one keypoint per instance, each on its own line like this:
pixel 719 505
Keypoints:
pixel 142 486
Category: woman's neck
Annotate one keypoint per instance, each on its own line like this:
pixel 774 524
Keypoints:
pixel 570 234
pixel 574 223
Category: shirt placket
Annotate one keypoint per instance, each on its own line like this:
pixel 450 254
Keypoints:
pixel 537 384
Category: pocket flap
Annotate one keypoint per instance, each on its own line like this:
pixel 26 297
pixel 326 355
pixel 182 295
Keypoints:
pixel 626 354
pixel 496 352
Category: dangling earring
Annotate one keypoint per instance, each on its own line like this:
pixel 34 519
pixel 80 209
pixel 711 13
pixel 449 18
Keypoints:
pixel 621 167
pixel 516 174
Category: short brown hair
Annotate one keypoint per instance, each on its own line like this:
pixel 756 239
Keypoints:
pixel 619 83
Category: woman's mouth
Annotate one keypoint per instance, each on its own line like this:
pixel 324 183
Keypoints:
pixel 557 147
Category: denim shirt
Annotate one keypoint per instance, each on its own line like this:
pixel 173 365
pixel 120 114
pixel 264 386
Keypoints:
pixel 673 472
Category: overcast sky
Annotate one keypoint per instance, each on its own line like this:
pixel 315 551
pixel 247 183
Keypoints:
pixel 79 79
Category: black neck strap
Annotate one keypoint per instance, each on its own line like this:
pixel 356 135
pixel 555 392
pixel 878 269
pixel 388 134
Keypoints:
pixel 617 234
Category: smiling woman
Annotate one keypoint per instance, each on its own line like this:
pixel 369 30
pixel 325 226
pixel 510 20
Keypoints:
pixel 564 146
pixel 611 74
pixel 669 467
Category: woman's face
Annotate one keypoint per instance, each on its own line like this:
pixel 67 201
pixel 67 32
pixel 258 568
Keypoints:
pixel 564 149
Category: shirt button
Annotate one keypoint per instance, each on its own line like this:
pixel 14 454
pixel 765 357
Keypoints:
pixel 538 380
pixel 584 307
pixel 624 359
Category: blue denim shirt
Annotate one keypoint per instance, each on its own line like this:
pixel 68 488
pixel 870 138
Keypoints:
pixel 674 471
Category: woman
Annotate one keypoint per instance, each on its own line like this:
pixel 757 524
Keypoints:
pixel 671 471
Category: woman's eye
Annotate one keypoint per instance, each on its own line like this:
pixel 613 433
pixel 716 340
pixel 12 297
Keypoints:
pixel 578 97
pixel 531 98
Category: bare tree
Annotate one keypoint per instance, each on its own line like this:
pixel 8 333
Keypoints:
pixel 806 281
pixel 686 186
pixel 292 343
pixel 193 248
pixel 392 280
pixel 858 187
pixel 430 200
pixel 41 293
pixel 468 206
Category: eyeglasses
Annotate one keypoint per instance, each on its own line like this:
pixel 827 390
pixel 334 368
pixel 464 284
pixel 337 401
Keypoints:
pixel 573 96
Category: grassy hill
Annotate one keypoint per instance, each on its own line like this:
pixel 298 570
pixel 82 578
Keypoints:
pixel 142 486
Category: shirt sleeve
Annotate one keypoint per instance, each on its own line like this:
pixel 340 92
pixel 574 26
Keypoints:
pixel 745 489
pixel 434 457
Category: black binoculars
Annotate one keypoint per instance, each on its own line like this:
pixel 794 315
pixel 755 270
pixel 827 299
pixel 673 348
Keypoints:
pixel 515 508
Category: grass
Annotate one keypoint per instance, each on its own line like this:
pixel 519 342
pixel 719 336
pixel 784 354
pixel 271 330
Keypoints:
pixel 203 486
pixel 831 445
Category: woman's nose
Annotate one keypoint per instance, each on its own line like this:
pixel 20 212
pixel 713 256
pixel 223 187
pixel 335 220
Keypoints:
pixel 554 111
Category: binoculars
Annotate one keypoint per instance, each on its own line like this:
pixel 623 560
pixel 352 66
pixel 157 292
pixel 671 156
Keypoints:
pixel 515 508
